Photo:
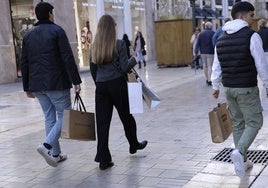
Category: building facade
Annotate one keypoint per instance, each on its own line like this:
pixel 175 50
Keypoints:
pixel 79 19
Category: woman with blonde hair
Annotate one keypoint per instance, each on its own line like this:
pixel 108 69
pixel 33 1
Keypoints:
pixel 109 64
pixel 263 32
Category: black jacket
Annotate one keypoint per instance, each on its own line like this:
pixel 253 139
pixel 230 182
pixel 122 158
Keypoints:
pixel 120 65
pixel 263 32
pixel 47 62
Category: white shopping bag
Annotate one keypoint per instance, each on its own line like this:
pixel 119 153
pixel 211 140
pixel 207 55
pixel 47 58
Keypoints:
pixel 135 97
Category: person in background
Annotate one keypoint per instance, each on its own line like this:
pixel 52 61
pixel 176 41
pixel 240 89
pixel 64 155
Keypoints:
pixel 204 44
pixel 263 32
pixel 218 32
pixel 193 43
pixel 139 47
pixel 239 57
pixel 48 71
pixel 109 65
pixel 128 44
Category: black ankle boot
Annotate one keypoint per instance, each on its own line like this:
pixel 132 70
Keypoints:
pixel 139 64
pixel 141 146
pixel 144 62
pixel 104 166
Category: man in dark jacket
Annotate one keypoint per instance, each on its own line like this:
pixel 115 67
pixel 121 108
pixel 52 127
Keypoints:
pixel 48 71
pixel 204 44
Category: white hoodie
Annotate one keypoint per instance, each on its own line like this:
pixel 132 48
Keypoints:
pixel 256 50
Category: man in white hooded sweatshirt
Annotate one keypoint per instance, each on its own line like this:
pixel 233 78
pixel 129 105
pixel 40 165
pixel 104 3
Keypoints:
pixel 238 58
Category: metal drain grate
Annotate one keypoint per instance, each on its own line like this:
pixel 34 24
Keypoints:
pixel 256 156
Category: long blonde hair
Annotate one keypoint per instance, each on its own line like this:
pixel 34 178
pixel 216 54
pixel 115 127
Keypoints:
pixel 104 45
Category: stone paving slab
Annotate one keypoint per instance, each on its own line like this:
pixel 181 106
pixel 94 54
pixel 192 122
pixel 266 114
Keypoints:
pixel 179 150
pixel 219 174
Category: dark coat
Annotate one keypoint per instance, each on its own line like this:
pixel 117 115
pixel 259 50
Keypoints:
pixel 204 42
pixel 120 65
pixel 47 62
pixel 142 45
pixel 263 32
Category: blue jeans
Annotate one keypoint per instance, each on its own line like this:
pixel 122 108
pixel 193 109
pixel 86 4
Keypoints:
pixel 53 104
pixel 140 56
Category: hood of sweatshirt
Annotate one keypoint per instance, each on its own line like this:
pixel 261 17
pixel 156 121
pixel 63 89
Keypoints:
pixel 234 26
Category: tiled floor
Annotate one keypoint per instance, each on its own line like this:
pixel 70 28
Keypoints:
pixel 178 154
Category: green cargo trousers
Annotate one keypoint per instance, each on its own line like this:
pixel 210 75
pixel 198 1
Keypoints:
pixel 246 113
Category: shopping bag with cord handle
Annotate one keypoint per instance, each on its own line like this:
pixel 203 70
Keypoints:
pixel 77 123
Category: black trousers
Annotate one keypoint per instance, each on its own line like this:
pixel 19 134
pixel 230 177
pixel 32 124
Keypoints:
pixel 109 94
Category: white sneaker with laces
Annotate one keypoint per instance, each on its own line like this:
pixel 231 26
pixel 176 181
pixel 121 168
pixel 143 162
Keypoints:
pixel 60 158
pixel 248 164
pixel 238 161
pixel 47 155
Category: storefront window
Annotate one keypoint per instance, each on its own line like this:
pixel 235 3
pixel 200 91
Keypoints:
pixel 85 11
pixel 86 20
pixel 23 19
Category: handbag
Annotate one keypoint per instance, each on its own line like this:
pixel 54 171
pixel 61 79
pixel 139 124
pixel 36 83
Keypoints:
pixel 144 52
pixel 77 123
pixel 220 123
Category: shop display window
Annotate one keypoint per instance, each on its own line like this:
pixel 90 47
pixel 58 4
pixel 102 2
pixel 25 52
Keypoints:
pixel 23 19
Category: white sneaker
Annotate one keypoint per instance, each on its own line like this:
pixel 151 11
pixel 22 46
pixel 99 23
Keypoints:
pixel 248 164
pixel 60 158
pixel 238 161
pixel 47 155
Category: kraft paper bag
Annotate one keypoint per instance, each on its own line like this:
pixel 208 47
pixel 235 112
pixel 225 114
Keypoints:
pixel 220 123
pixel 78 124
pixel 135 97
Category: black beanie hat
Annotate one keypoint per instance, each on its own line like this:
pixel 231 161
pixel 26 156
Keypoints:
pixel 42 9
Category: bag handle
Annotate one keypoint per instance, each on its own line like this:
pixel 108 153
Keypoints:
pixel 79 103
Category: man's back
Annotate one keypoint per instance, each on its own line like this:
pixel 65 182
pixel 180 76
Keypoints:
pixel 48 56
pixel 204 42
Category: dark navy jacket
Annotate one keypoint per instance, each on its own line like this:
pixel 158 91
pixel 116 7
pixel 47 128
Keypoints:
pixel 204 42
pixel 47 62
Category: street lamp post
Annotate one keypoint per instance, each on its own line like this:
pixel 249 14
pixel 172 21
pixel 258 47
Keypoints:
pixel 192 2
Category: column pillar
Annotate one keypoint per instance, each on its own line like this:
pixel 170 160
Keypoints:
pixel 100 8
pixel 225 8
pixel 127 20
pixel 8 72
pixel 150 30
pixel 213 7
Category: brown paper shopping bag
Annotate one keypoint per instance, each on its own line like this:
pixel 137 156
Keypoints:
pixel 220 123
pixel 78 124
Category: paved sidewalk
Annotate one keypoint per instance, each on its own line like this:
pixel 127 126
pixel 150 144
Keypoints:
pixel 179 152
